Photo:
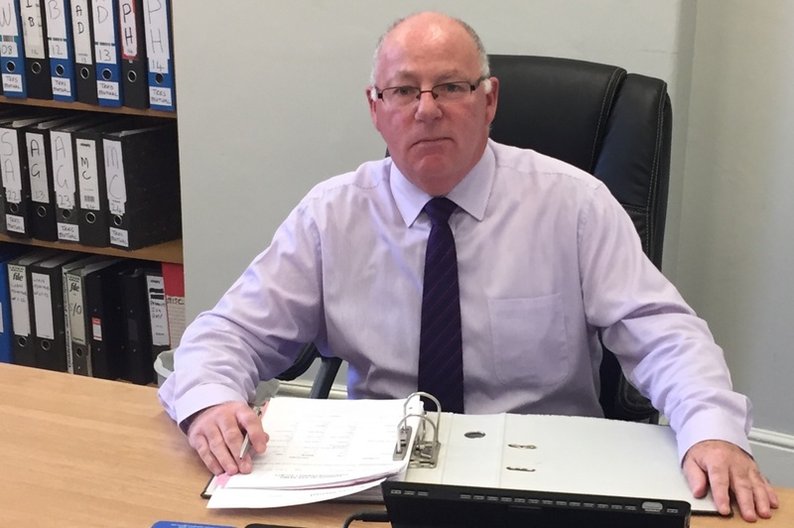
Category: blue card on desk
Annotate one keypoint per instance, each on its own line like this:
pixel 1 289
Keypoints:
pixel 179 524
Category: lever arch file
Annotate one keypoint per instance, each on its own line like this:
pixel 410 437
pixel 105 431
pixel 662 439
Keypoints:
pixel 574 462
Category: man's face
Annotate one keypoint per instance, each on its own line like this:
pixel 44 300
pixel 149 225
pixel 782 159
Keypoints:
pixel 434 143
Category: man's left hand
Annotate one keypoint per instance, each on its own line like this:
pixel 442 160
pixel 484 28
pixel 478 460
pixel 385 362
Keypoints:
pixel 727 469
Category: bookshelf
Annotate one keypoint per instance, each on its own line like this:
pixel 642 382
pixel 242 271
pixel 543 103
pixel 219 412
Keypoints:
pixel 83 107
pixel 170 251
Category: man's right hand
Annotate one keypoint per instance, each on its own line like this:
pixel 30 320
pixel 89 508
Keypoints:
pixel 217 432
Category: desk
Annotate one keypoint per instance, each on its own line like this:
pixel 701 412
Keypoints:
pixel 82 452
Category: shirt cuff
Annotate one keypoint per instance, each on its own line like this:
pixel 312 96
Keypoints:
pixel 713 425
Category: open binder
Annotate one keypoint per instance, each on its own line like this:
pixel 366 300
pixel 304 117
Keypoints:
pixel 480 461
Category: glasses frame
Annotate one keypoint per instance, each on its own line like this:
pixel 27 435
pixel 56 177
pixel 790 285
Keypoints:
pixel 473 85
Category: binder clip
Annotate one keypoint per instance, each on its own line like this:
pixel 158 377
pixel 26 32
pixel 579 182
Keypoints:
pixel 425 451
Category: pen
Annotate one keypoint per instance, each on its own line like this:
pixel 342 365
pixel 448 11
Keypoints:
pixel 246 439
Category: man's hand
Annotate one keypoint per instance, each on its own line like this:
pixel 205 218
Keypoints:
pixel 217 432
pixel 728 469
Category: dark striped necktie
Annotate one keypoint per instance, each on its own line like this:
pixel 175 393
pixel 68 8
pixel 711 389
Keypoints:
pixel 440 343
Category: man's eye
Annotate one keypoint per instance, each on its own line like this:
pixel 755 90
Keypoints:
pixel 405 91
pixel 452 88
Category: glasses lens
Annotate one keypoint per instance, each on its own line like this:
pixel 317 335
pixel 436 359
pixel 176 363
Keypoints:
pixel 452 90
pixel 400 95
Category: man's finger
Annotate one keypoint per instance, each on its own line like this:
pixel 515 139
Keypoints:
pixel 199 443
pixel 695 477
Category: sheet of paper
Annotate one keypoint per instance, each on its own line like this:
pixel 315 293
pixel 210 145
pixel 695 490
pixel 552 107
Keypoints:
pixel 325 443
pixel 277 498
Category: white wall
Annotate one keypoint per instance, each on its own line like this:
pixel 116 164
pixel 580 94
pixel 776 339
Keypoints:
pixel 271 101
pixel 287 79
pixel 736 252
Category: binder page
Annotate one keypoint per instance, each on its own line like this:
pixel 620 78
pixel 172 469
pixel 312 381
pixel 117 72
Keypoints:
pixel 464 437
pixel 575 454
pixel 325 443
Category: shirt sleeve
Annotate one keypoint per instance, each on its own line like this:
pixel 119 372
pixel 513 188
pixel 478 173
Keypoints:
pixel 664 348
pixel 257 328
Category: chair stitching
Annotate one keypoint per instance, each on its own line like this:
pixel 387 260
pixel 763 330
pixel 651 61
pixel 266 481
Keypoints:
pixel 613 89
pixel 655 172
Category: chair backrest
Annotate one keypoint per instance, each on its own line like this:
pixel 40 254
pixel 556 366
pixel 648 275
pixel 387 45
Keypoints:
pixel 610 123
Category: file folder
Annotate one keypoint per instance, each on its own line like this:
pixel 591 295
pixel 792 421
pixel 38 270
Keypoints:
pixel 142 178
pixel 158 312
pixel 8 252
pixel 133 54
pixel 37 62
pixel 24 352
pixel 61 49
pixel 63 171
pixel 174 283
pixel 105 319
pixel 83 37
pixel 106 52
pixel 138 366
pixel 12 51
pixel 46 287
pixel 16 183
pixel 159 50
pixel 90 175
pixel 78 350
pixel 43 224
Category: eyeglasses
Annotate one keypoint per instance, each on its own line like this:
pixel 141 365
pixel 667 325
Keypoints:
pixel 400 96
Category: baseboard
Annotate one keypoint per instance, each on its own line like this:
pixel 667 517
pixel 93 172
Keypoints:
pixel 299 388
pixel 774 453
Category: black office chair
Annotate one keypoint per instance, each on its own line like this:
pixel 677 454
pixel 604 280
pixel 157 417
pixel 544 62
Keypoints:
pixel 605 121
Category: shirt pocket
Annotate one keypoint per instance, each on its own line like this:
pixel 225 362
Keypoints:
pixel 529 341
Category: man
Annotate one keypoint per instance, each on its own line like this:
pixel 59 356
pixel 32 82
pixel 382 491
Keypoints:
pixel 535 244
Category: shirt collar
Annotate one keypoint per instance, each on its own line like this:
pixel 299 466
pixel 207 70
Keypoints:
pixel 471 194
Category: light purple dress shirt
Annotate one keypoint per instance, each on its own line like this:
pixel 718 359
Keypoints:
pixel 547 258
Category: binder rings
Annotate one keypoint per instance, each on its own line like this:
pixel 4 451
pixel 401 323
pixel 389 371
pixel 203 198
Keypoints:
pixel 142 179
pixel 63 170
pixel 16 183
pixel 43 224
pixel 46 287
pixel 37 62
pixel 106 52
pixel 12 51
pixel 85 66
pixel 157 21
pixel 61 49
pixel 133 54
pixel 24 352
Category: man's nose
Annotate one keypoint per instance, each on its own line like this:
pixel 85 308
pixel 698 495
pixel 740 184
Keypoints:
pixel 427 107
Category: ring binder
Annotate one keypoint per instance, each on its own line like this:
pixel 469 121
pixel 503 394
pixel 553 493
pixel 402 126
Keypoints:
pixel 425 452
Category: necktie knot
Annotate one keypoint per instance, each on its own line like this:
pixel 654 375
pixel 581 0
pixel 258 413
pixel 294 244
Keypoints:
pixel 439 209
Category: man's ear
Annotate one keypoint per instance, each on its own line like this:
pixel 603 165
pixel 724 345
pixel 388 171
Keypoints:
pixel 491 88
pixel 372 98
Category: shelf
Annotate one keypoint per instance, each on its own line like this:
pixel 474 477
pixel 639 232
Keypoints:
pixel 47 103
pixel 165 252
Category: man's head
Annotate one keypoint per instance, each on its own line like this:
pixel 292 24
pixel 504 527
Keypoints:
pixel 436 139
